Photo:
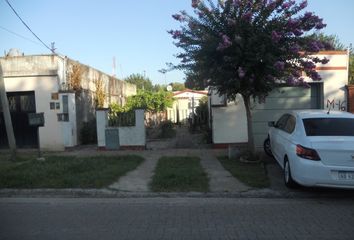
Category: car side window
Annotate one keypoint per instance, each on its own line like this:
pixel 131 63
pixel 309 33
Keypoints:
pixel 282 122
pixel 290 124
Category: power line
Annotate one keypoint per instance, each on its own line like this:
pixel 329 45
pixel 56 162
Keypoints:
pixel 18 35
pixel 52 50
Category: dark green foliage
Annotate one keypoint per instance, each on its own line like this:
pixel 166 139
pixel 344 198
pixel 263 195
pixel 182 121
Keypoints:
pixel 179 174
pixel 88 132
pixel 121 119
pixel 141 82
pixel 66 172
pixel 167 129
pixel 150 101
pixel 202 112
pixel 178 86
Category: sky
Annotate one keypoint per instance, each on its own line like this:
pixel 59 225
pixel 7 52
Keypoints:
pixel 133 32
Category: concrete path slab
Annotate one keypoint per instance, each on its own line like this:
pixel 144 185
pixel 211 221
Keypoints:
pixel 220 180
pixel 138 180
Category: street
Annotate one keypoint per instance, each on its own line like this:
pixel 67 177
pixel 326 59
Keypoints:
pixel 175 218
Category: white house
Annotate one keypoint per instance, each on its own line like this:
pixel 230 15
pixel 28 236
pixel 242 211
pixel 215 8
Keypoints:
pixel 184 105
pixel 228 119
pixel 41 84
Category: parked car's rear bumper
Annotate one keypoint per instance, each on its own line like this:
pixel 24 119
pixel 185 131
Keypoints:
pixel 315 173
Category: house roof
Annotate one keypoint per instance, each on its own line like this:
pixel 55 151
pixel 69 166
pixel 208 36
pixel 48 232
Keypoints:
pixel 203 92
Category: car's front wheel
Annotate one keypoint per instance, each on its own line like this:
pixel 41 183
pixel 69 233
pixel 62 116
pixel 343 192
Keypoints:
pixel 266 147
pixel 288 179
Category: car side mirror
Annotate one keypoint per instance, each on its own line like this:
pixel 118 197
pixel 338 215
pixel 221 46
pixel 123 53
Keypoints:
pixel 271 124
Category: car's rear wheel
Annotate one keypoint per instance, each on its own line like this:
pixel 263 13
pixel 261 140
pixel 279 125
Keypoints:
pixel 266 147
pixel 288 179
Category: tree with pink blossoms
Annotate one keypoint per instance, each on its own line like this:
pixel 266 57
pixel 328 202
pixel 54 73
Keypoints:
pixel 248 47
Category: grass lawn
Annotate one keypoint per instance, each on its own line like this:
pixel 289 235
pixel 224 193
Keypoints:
pixel 65 172
pixel 252 174
pixel 179 174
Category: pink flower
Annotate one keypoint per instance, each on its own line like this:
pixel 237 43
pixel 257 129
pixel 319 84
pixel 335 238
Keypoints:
pixel 178 17
pixel 248 16
pixel 195 3
pixel 226 42
pixel 303 4
pixel 241 72
pixel 279 65
pixel 175 34
pixel 275 37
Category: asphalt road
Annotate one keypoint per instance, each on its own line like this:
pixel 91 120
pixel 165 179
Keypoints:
pixel 176 218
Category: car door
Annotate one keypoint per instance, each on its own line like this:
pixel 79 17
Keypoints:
pixel 275 138
pixel 284 138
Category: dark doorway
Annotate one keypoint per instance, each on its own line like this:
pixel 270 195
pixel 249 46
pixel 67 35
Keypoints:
pixel 317 101
pixel 20 104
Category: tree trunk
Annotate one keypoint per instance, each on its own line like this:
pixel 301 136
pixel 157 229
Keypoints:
pixel 251 145
pixel 7 117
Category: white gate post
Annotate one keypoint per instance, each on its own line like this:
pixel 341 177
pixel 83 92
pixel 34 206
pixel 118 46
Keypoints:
pixel 102 124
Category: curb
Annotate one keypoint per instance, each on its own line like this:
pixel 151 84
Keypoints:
pixel 109 193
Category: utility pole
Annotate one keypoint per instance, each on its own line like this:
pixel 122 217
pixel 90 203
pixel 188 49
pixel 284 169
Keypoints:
pixel 7 117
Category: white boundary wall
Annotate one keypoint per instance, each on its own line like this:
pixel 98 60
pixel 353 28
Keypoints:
pixel 129 137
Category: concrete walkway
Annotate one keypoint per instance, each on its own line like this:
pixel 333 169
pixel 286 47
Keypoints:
pixel 220 180
pixel 138 180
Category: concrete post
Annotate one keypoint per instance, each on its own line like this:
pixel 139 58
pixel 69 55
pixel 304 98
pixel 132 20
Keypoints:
pixel 102 124
pixel 7 116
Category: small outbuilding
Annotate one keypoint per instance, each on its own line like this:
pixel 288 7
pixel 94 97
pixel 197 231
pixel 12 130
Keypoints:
pixel 66 91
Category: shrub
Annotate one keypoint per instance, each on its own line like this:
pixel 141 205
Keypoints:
pixel 167 129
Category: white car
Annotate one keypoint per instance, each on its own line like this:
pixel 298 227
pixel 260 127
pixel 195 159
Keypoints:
pixel 314 147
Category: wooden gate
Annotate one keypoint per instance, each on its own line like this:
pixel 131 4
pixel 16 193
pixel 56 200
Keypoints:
pixel 351 98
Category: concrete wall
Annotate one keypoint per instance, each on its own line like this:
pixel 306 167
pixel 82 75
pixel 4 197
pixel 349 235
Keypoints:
pixel 133 136
pixel 129 137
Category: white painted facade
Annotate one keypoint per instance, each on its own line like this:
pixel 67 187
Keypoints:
pixel 51 135
pixel 128 137
pixel 228 120
pixel 46 75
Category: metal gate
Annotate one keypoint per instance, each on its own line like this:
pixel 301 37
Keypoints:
pixel 20 104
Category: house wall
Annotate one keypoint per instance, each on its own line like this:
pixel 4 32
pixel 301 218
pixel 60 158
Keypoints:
pixel 48 74
pixel 278 102
pixel 186 102
pixel 335 78
pixel 230 122
pixel 229 125
pixel 51 135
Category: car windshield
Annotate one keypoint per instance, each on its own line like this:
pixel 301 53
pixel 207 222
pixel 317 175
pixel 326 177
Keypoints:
pixel 329 126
